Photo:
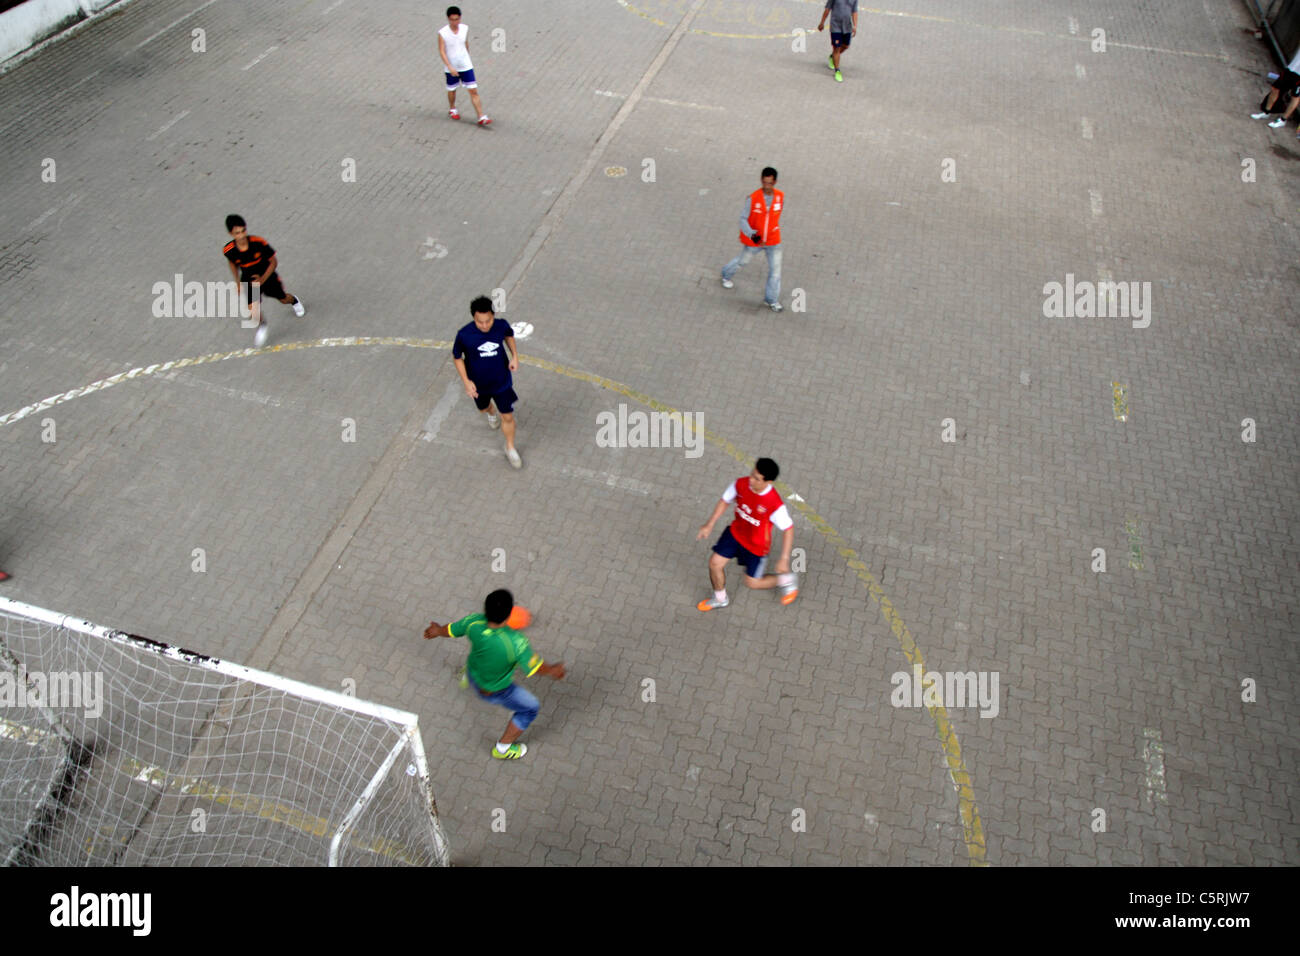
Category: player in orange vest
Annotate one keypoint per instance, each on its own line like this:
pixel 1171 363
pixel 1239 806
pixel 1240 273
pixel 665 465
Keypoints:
pixel 760 228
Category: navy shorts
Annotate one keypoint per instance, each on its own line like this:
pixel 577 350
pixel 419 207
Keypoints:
pixel 729 547
pixel 840 41
pixel 505 399
pixel 465 78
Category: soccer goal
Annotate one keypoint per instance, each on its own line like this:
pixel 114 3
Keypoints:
pixel 120 750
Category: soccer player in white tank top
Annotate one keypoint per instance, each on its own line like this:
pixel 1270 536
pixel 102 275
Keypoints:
pixel 453 47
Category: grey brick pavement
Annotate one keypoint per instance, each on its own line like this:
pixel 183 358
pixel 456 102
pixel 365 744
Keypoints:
pixel 924 303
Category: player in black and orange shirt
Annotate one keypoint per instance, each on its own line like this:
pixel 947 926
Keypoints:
pixel 252 260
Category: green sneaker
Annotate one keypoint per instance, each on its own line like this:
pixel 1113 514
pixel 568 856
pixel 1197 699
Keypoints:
pixel 513 752
pixel 839 77
pixel 830 61
pixel 464 679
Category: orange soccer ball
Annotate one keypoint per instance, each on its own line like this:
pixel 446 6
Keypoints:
pixel 519 618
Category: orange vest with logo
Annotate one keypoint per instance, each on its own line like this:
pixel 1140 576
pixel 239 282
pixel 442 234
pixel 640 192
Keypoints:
pixel 765 220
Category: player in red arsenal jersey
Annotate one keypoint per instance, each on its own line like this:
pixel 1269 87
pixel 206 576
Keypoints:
pixel 749 539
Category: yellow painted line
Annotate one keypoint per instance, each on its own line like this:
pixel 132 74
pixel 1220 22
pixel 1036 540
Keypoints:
pixel 32 736
pixel 282 813
pixel 1119 396
pixel 1134 544
pixel 972 829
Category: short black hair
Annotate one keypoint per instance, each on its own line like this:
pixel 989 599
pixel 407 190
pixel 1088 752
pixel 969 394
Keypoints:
pixel 233 221
pixel 481 304
pixel 767 468
pixel 453 11
pixel 769 171
pixel 498 605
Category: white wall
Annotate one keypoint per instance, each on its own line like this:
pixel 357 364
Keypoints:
pixel 31 22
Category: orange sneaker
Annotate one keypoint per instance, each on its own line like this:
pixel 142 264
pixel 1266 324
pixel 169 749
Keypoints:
pixel 790 591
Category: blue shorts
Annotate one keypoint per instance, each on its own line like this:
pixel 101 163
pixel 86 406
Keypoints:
pixel 729 547
pixel 465 79
pixel 505 399
pixel 522 702
pixel 840 41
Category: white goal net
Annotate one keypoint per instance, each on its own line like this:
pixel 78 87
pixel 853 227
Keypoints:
pixel 119 750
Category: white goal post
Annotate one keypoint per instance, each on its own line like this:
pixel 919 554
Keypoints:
pixel 116 749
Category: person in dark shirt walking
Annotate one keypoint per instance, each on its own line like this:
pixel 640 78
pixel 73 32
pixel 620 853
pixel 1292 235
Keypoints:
pixel 253 262
pixel 485 355
pixel 844 27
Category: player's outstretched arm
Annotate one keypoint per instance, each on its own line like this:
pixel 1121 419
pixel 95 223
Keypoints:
pixel 707 528
pixel 437 630
pixel 554 671
pixel 787 546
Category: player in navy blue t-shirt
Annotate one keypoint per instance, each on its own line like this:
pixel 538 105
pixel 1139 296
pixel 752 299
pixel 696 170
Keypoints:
pixel 485 356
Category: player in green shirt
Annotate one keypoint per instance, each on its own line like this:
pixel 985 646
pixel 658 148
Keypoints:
pixel 495 652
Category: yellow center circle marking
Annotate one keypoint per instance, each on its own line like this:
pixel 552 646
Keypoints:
pixel 972 828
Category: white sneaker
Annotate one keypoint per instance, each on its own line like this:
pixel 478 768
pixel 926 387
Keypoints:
pixel 259 337
pixel 728 284
pixel 513 457
pixel 1277 122
pixel 494 421
pixel 775 306
pixel 1258 115
pixel 298 308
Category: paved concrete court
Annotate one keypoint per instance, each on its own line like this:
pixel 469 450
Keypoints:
pixel 954 456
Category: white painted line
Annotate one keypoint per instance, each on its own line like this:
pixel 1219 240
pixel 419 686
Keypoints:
pixel 1094 200
pixel 441 410
pixel 242 394
pixel 1103 288
pixel 174 23
pixel 168 125
pixel 42 217
pixel 1079 71
pixel 1153 755
pixel 333 6
pixel 693 106
pixel 103 383
pixel 608 479
pixel 261 58
pixel 1086 125
pixel 656 99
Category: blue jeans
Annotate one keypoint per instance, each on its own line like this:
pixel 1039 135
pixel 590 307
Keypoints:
pixel 773 291
pixel 523 702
